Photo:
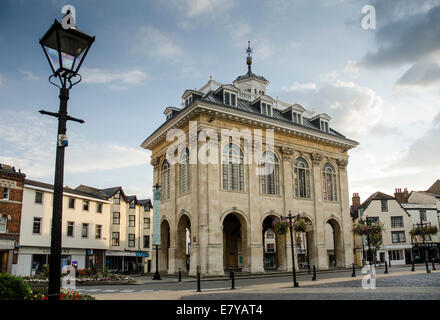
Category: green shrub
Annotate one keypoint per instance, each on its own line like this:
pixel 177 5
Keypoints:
pixel 12 287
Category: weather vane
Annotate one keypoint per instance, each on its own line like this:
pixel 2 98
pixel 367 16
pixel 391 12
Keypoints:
pixel 249 57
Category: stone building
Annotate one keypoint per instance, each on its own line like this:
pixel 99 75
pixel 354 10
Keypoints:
pixel 225 203
pixel 11 198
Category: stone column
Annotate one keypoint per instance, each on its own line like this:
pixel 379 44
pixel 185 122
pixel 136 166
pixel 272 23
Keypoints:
pixel 347 224
pixel 156 174
pixel 321 252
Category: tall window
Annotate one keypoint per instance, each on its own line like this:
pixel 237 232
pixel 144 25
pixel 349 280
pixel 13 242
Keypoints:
pixel 266 109
pixel 270 169
pixel 229 99
pixel 37 226
pixel 233 168
pixel 384 205
pixel 131 239
pixel 117 198
pixel 147 223
pixel 38 197
pixel 85 205
pixel 116 217
pixel 71 203
pixel 99 207
pixel 329 182
pixel 184 172
pixel 423 215
pixel 115 239
pixel 131 220
pixel 165 181
pixel 301 175
pixel 3 223
pixel 146 241
pixel 70 228
pixel 6 193
pixel 85 230
pixel 98 231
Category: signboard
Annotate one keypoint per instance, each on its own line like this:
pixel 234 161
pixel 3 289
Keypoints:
pixel 156 217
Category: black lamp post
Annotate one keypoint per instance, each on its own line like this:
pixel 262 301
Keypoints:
pixel 290 218
pixel 156 274
pixel 368 240
pixel 422 227
pixel 65 50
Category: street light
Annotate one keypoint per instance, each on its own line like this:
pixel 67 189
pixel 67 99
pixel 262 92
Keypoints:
pixel 156 199
pixel 290 218
pixel 65 49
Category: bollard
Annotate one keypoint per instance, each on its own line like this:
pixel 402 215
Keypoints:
pixel 427 266
pixel 230 272
pixel 198 282
pixel 180 275
pixel 413 268
pixel 354 271
pixel 314 274
pixel 232 281
pixel 386 268
pixel 433 265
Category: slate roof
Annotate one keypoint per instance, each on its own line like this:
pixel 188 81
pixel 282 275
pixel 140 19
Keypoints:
pixel 65 189
pixel 106 193
pixel 144 202
pixel 249 74
pixel 435 188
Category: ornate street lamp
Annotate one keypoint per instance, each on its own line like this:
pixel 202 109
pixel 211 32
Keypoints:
pixel 156 199
pixel 65 50
pixel 290 218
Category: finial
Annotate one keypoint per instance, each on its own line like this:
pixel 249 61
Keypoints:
pixel 249 57
pixel 210 78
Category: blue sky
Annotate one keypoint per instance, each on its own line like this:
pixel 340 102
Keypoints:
pixel 381 87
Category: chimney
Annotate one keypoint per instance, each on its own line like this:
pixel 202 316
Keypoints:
pixel 356 200
pixel 401 196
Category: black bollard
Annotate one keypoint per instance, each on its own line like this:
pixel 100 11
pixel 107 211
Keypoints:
pixel 354 271
pixel 314 274
pixel 232 281
pixel 180 275
pixel 433 265
pixel 198 282
pixel 413 268
pixel 386 268
pixel 230 272
pixel 427 266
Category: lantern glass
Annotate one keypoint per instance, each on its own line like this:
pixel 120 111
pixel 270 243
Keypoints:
pixel 65 48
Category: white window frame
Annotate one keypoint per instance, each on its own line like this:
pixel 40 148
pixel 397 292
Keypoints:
pixel 188 101
pixel 7 192
pixel 40 223
pixel 5 219
pixel 73 229
pixel 98 226
pixel 266 109
pixel 230 95
pixel 82 230
pixel 42 195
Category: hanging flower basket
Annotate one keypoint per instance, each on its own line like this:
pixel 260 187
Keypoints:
pixel 363 229
pixel 418 231
pixel 302 226
pixel 280 226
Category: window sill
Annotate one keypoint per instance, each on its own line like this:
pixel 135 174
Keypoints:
pixel 301 198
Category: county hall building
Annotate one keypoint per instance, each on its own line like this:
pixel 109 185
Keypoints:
pixel 217 215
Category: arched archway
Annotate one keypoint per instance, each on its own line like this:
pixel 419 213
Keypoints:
pixel 333 240
pixel 306 247
pixel 235 242
pixel 164 247
pixel 183 240
pixel 274 246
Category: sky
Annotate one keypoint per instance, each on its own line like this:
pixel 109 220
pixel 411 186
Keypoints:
pixel 380 86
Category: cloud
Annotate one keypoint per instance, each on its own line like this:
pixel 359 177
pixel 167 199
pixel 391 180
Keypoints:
pixel 28 75
pixel 352 69
pixel 157 45
pixel 424 152
pixel 296 86
pixel 116 79
pixel 423 74
pixel 32 148
pixel 410 39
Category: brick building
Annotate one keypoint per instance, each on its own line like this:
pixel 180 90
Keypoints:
pixel 11 197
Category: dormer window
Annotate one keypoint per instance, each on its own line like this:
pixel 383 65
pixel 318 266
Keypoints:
pixel 324 125
pixel 229 99
pixel 266 109
pixel 188 100
pixel 296 117
pixel 169 115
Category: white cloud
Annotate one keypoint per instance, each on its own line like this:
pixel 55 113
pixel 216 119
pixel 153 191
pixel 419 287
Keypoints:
pixel 27 142
pixel 153 43
pixel 296 86
pixel 29 75
pixel 331 76
pixel 352 69
pixel 117 79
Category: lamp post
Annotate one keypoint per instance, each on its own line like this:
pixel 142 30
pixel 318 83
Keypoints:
pixel 290 218
pixel 156 199
pixel 422 226
pixel 368 240
pixel 65 49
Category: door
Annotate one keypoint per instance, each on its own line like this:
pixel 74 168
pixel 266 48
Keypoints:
pixel 407 256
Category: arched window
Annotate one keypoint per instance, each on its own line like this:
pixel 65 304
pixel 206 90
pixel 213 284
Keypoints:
pixel 233 168
pixel 165 181
pixel 184 172
pixel 329 182
pixel 301 176
pixel 270 178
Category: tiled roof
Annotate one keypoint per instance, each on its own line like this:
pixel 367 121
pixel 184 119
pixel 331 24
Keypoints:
pixel 376 196
pixel 65 189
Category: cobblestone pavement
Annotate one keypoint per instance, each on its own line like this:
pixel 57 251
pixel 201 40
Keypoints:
pixel 407 287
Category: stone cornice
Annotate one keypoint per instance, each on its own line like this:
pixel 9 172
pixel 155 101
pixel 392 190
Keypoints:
pixel 244 117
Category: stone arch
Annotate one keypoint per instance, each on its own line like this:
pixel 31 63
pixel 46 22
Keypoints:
pixel 334 242
pixel 307 249
pixel 276 258
pixel 165 237
pixel 235 241
pixel 183 232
